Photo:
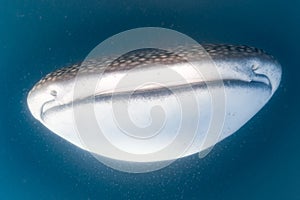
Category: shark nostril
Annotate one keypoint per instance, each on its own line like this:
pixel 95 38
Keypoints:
pixel 53 93
pixel 254 67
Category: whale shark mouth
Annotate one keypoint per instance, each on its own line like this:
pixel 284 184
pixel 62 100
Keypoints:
pixel 258 81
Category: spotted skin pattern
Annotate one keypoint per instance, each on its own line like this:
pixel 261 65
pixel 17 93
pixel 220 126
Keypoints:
pixel 144 57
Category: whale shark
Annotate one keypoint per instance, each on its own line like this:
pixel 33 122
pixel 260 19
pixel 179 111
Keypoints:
pixel 152 105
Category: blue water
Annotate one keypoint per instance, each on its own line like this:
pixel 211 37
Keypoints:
pixel 260 161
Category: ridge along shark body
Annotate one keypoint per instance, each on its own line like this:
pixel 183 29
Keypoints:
pixel 249 76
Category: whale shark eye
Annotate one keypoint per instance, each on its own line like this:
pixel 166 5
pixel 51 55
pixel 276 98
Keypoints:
pixel 53 93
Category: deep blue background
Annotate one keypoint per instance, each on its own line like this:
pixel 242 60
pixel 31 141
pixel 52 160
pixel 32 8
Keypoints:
pixel 260 161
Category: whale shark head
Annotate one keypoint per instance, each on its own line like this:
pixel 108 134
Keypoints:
pixel 250 78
